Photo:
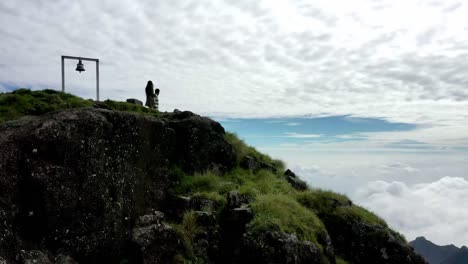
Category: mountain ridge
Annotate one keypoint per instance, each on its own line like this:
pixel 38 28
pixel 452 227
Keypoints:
pixel 435 254
pixel 84 182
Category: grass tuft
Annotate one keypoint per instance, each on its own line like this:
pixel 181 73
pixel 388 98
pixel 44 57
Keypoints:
pixel 241 149
pixel 277 212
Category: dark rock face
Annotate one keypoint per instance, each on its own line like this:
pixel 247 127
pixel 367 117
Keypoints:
pixel 77 181
pixel 199 143
pixel 254 165
pixel 363 243
pixel 295 182
pixel 155 241
pixel 236 215
pixel 277 247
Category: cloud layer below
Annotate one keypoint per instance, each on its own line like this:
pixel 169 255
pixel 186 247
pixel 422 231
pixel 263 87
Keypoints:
pixel 437 209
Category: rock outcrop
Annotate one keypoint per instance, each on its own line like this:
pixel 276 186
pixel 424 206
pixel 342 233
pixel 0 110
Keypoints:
pixel 93 185
pixel 77 181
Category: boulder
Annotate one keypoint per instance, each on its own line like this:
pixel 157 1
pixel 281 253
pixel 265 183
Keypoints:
pixel 34 257
pixel 277 247
pixel 157 243
pixel 365 243
pixel 295 182
pixel 135 101
pixel 235 199
pixel 77 180
pixel 254 165
pixel 63 259
pixel 289 173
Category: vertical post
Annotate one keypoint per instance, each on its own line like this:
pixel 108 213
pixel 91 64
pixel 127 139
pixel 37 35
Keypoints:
pixel 63 74
pixel 97 80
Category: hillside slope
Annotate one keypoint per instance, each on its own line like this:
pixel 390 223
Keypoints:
pixel 435 254
pixel 93 185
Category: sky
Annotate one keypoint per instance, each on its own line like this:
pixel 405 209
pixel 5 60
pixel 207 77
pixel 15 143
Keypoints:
pixel 365 97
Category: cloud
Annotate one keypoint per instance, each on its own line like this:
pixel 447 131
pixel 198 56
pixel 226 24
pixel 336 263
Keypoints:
pixel 241 59
pixel 299 135
pixel 436 210
pixel 292 124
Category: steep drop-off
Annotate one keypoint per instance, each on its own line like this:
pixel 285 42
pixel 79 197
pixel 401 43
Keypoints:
pixel 91 185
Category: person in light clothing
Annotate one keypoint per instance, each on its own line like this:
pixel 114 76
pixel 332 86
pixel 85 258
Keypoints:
pixel 156 99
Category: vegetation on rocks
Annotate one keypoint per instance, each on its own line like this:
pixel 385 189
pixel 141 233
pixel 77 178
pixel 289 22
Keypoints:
pixel 137 186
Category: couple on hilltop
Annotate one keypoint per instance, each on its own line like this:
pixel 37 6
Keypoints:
pixel 152 100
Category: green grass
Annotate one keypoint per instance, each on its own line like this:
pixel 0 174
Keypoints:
pixel 330 203
pixel 241 149
pixel 188 229
pixel 278 212
pixel 341 261
pixel 26 102
pixel 23 102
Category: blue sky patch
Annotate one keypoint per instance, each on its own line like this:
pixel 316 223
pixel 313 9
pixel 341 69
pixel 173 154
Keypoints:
pixel 267 132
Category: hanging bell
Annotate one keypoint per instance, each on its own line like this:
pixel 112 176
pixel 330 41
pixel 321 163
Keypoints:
pixel 80 66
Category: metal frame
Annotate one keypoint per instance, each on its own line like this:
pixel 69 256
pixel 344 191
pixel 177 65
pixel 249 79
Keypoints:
pixel 85 59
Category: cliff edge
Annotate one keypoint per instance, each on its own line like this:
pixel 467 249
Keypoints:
pixel 93 185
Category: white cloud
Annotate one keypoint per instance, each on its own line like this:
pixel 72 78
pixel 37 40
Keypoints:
pixel 299 135
pixel 268 58
pixel 436 210
pixel 293 124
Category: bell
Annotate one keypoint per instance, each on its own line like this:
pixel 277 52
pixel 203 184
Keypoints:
pixel 80 66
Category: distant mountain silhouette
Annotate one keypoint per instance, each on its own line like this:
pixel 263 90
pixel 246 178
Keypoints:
pixel 461 257
pixel 435 254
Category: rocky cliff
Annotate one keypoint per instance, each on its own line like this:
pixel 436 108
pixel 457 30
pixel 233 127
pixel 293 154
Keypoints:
pixel 90 185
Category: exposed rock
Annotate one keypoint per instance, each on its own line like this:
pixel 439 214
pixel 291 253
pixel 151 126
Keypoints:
pixel 178 205
pixel 235 200
pixel 63 259
pixel 288 172
pixel 277 247
pixel 325 240
pixel 135 101
pixel 200 143
pixel 205 218
pixel 152 219
pixel 254 165
pixel 77 180
pixel 235 217
pixel 34 257
pixel 364 243
pixel 157 243
pixel 207 242
pixel 295 182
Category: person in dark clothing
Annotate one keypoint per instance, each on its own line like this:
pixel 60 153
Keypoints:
pixel 149 95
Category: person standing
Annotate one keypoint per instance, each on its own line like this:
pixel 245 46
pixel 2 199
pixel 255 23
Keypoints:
pixel 156 99
pixel 150 96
